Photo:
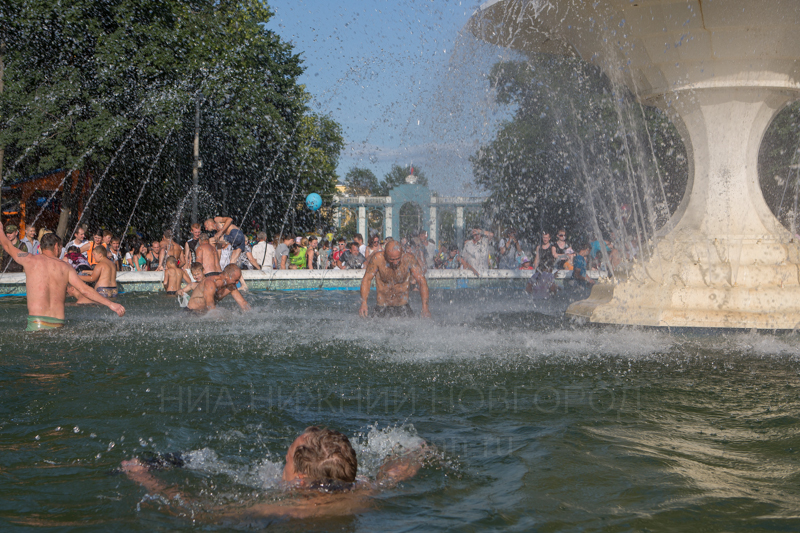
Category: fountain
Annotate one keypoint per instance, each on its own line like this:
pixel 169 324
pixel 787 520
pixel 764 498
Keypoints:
pixel 721 70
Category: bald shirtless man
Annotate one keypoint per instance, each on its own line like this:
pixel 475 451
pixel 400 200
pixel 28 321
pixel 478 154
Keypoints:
pixel 46 282
pixel 224 226
pixel 207 255
pixel 393 270
pixel 214 288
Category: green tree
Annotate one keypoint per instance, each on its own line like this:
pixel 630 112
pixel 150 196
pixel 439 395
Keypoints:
pixel 577 148
pixel 361 182
pixel 109 88
pixel 397 176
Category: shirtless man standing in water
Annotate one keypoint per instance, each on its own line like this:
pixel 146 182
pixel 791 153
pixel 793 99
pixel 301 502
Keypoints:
pixel 46 282
pixel 393 270
pixel 214 288
pixel 207 255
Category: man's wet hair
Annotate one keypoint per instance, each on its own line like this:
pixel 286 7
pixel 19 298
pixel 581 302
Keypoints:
pixel 203 237
pixel 196 266
pixel 326 455
pixel 168 234
pixel 231 270
pixel 172 261
pixel 100 251
pixel 49 240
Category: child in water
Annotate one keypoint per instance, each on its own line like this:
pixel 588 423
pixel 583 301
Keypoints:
pixel 174 277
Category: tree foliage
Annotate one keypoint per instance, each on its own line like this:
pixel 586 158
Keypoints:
pixel 397 176
pixel 105 87
pixel 361 182
pixel 578 147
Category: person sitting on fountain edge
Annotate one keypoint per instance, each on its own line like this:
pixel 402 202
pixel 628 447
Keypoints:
pixel 214 288
pixel 46 282
pixel 393 270
pixel 321 462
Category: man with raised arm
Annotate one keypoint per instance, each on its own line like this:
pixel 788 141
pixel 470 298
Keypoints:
pixel 46 282
pixel 214 288
pixel 393 270
pixel 235 236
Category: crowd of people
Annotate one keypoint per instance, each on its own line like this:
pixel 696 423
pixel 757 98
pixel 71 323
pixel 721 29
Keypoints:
pixel 481 252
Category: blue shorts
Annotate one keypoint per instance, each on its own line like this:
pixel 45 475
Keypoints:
pixel 237 240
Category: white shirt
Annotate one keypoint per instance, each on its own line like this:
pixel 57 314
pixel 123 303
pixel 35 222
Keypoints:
pixel 363 250
pixel 259 251
pixel 477 255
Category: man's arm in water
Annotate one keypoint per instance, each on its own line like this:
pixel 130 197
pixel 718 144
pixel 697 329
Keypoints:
pixel 239 299
pixel 416 272
pixel 366 283
pixel 90 293
pixel 21 257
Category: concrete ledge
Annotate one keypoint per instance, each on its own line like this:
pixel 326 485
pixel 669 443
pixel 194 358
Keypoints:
pixel 304 280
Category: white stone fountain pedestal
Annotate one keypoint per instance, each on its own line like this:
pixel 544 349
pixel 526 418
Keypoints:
pixel 726 261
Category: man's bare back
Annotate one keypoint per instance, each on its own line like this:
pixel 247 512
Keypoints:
pixel 46 282
pixel 207 255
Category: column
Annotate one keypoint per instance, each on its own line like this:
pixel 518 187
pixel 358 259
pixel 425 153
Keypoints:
pixel 432 233
pixel 460 226
pixel 387 220
pixel 362 217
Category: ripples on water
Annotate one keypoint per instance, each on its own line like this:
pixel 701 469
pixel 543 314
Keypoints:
pixel 540 423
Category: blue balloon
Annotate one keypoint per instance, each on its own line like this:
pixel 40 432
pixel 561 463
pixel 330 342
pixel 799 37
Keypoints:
pixel 313 201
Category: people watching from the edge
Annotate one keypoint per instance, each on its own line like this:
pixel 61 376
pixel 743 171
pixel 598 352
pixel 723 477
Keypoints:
pixel 455 261
pixel 174 276
pixel 509 248
pixel 562 252
pixel 30 240
pixel 359 240
pixel 113 252
pixel 282 252
pixel 153 256
pixel 393 270
pixel 104 273
pixel 579 265
pixel 7 264
pixel 263 252
pixel 311 253
pixel 46 282
pixel 351 259
pixel 76 260
pixel 374 246
pixel 97 240
pixel 476 250
pixel 79 241
pixel 336 253
pixel 544 260
pixel 191 244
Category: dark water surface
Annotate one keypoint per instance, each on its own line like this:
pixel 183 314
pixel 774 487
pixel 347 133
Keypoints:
pixel 541 425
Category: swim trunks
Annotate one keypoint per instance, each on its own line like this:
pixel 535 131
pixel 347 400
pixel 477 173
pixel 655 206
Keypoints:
pixel 237 239
pixel 36 323
pixel 107 292
pixel 397 311
pixel 214 274
pixel 172 293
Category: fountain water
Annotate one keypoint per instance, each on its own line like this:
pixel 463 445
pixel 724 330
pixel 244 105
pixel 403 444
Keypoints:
pixel 721 70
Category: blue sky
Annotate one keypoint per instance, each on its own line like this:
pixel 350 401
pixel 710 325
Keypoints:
pixel 403 78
